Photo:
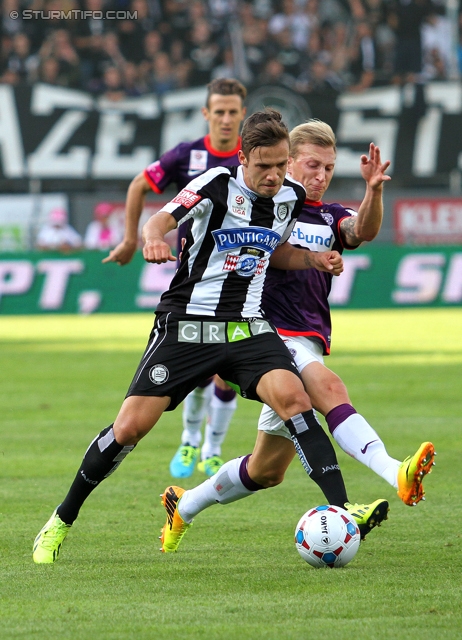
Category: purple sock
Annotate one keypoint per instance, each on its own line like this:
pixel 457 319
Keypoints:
pixel 338 414
pixel 225 395
pixel 246 479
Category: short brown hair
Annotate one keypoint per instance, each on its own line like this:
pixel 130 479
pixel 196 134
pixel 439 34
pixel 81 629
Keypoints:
pixel 263 129
pixel 312 131
pixel 225 87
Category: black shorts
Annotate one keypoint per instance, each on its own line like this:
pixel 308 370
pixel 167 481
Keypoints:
pixel 183 351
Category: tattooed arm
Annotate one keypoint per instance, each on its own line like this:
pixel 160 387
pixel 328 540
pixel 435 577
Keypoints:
pixel 366 225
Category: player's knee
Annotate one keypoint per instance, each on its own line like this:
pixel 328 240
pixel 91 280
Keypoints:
pixel 290 404
pixel 128 432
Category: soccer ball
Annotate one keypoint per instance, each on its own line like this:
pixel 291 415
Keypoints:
pixel 327 536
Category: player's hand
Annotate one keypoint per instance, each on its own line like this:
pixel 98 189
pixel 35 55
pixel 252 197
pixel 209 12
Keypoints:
pixel 158 251
pixel 373 169
pixel 329 261
pixel 122 253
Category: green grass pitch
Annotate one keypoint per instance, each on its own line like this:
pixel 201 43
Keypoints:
pixel 237 574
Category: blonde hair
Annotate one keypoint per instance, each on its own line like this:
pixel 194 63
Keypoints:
pixel 312 131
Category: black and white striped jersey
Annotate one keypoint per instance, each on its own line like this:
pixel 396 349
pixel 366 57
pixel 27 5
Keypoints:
pixel 231 237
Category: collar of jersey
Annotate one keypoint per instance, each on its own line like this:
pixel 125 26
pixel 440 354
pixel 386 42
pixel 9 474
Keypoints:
pixel 221 154
pixel 241 182
pixel 312 203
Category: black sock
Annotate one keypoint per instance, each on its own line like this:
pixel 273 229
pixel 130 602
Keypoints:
pixel 317 456
pixel 102 458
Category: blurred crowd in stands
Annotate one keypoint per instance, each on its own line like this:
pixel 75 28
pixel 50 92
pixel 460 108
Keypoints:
pixel 144 46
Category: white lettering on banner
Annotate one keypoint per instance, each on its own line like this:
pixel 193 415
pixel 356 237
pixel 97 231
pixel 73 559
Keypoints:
pixel 439 100
pixel 353 127
pixel 183 119
pixel 16 277
pixel 46 99
pixel 12 155
pixel 419 278
pixel 428 221
pixel 428 134
pixel 57 273
pixel 154 280
pixel 113 132
pixel 47 161
pixel 452 291
pixel 342 285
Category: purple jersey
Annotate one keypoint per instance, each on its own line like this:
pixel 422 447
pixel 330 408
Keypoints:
pixel 296 301
pixel 187 161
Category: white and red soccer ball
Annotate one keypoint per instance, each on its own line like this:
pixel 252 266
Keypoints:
pixel 327 536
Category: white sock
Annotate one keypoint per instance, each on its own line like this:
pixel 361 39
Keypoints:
pixel 357 438
pixel 224 487
pixel 217 426
pixel 195 408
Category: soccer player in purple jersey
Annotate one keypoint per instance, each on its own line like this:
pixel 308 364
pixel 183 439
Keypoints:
pixel 224 112
pixel 297 304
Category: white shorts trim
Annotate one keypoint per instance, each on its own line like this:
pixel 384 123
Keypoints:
pixel 304 351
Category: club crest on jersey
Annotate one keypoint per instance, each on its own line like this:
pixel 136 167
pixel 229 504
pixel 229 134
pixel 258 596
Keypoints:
pixel 239 205
pixel 327 217
pixel 282 212
pixel 198 160
pixel 255 237
pixel 246 265
pixel 187 198
pixel 158 374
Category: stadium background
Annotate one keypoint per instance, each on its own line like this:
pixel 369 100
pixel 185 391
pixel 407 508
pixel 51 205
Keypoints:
pixel 66 140
pixel 92 92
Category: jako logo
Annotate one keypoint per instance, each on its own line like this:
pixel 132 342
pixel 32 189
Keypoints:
pixel 324 527
pixel 88 479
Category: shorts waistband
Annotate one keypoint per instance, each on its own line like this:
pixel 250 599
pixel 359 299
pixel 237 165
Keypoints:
pixel 219 331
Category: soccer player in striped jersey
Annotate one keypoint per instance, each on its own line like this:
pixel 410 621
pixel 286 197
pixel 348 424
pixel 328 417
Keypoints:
pixel 224 112
pixel 297 303
pixel 210 320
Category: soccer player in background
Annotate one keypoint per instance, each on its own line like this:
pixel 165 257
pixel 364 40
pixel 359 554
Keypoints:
pixel 296 302
pixel 209 320
pixel 224 112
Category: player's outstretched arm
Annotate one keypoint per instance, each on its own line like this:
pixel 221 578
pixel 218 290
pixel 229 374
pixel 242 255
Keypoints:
pixel 290 258
pixel 155 248
pixel 366 225
pixel 134 204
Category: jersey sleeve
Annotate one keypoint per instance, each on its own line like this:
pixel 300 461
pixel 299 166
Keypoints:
pixel 341 213
pixel 163 171
pixel 195 199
